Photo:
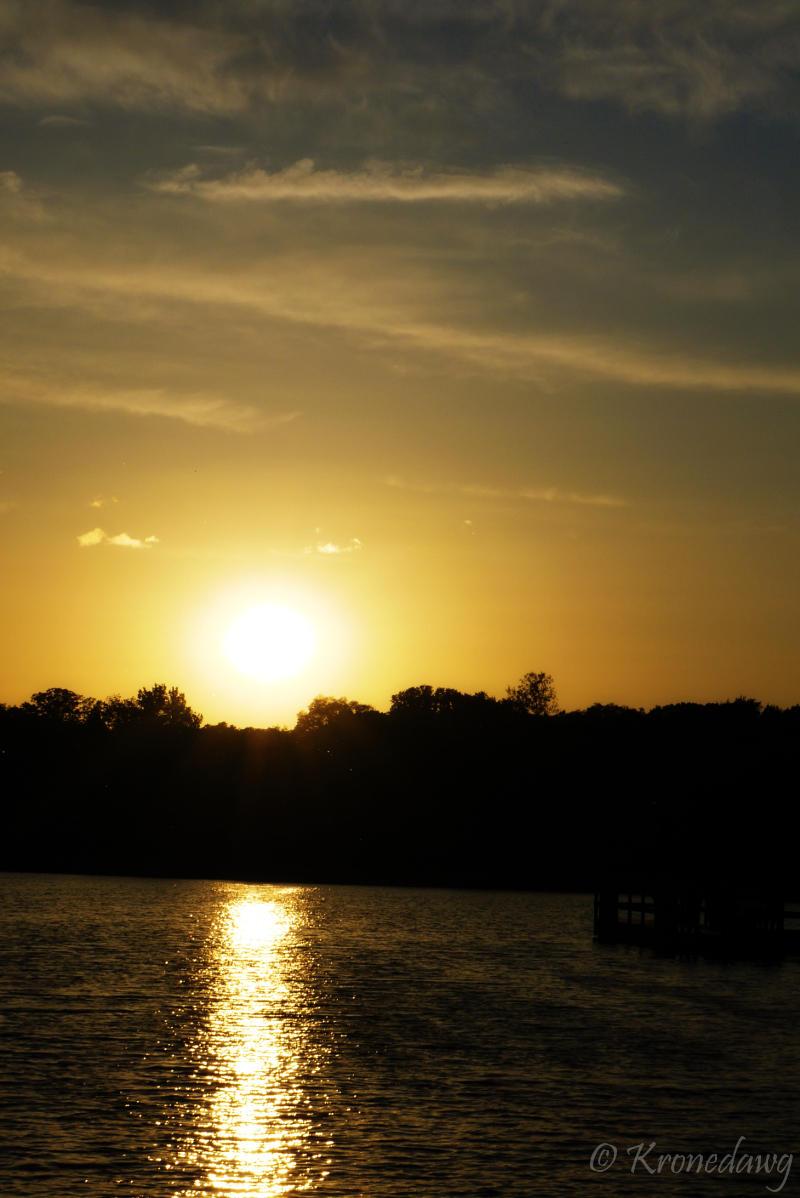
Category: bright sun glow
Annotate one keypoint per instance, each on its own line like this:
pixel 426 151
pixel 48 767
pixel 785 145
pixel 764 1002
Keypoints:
pixel 269 643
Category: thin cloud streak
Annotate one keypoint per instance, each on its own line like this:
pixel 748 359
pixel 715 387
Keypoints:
pixel 701 61
pixel 320 299
pixel 695 61
pixel 600 357
pixel 384 182
pixel 202 410
pixel 62 122
pixel 72 53
pixel 329 547
pixel 543 495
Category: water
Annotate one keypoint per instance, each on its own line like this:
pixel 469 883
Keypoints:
pixel 167 1038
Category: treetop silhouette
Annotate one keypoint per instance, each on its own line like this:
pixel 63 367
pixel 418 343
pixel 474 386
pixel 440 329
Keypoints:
pixel 60 704
pixel 424 700
pixel 154 706
pixel 325 710
pixel 535 694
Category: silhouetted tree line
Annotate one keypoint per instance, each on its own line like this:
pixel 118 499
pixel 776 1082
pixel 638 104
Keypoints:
pixel 157 707
pixel 444 789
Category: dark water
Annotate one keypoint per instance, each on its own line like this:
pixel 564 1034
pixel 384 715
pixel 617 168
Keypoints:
pixel 163 1038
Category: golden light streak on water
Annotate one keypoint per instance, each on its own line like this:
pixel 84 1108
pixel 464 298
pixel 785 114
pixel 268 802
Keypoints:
pixel 254 1136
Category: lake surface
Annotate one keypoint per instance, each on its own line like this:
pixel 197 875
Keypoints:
pixel 209 1038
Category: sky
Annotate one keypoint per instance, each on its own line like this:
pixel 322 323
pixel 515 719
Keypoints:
pixel 466 332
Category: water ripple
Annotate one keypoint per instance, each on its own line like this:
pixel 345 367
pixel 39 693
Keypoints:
pixel 173 1038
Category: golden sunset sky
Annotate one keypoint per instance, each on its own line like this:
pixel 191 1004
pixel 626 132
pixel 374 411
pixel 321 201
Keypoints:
pixel 466 331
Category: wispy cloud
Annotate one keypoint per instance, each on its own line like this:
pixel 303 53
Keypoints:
pixel 668 56
pixel 337 293
pixel 537 494
pixel 101 501
pixel 128 542
pixel 62 122
pixel 382 182
pixel 73 53
pixel 553 495
pixel 10 181
pixel 203 410
pixel 97 536
pixel 328 547
pixel 221 151
pixel 18 200
pixel 378 297
pixel 696 60
pixel 207 411
pixel 94 537
pixel 601 357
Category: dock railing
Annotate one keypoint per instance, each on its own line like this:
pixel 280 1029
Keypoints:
pixel 636 915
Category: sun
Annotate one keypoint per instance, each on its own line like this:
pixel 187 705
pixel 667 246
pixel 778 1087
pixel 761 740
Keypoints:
pixel 269 643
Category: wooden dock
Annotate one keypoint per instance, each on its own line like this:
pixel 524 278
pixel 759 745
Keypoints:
pixel 689 921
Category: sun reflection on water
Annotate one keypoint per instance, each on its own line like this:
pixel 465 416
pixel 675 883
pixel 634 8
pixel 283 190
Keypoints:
pixel 256 1134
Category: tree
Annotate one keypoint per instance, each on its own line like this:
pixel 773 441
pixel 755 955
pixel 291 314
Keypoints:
pixel 60 704
pixel 324 710
pixel 604 711
pixel 117 712
pixel 157 705
pixel 416 699
pixel 535 694
pixel 166 707
pixel 424 700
